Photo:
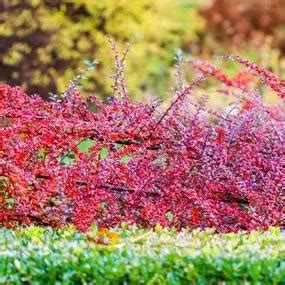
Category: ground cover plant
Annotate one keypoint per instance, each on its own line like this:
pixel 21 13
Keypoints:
pixel 132 255
pixel 82 161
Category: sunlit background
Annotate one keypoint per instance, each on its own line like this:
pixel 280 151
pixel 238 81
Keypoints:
pixel 45 43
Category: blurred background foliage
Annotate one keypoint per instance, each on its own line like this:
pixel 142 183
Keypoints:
pixel 45 42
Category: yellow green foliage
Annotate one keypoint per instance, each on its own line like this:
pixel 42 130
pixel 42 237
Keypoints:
pixel 43 43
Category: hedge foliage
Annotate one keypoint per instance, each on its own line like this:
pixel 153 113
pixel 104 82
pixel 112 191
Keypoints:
pixel 44 42
pixel 135 256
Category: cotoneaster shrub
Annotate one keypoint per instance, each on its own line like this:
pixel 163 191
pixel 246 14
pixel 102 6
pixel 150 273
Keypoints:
pixel 181 166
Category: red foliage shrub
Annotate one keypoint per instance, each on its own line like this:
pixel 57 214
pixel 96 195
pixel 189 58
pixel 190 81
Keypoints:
pixel 180 167
pixel 237 21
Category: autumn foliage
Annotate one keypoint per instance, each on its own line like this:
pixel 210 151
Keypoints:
pixel 181 166
pixel 237 21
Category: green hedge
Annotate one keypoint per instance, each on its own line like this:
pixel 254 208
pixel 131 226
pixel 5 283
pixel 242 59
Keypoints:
pixel 44 256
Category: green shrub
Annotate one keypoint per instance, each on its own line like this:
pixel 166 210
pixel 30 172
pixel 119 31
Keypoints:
pixel 44 256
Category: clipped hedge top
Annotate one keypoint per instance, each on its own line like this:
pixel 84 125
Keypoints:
pixel 139 256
